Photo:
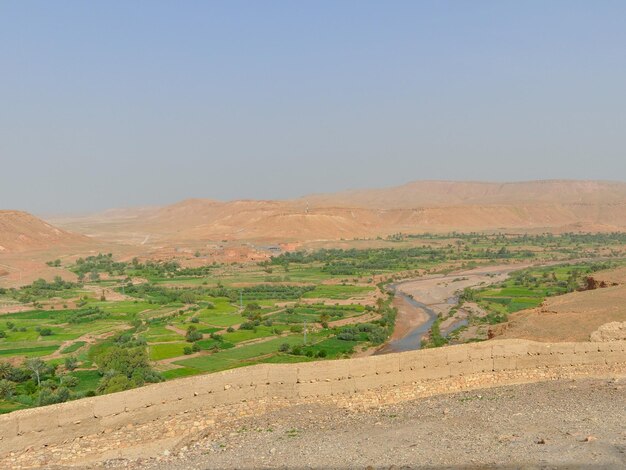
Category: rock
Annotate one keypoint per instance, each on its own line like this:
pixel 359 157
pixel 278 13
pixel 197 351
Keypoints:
pixel 613 331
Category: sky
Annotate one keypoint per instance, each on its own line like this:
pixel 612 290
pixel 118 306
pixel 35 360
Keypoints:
pixel 146 102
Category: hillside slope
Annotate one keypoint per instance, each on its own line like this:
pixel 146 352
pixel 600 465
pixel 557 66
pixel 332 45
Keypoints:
pixel 21 231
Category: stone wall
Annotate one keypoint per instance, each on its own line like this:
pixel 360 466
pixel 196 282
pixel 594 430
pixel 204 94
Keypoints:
pixel 56 424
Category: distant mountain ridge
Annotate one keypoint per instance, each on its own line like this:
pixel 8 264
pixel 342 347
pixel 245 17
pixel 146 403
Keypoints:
pixel 451 193
pixel 416 207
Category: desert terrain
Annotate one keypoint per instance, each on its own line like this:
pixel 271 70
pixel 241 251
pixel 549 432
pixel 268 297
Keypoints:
pixel 492 428
pixel 208 287
pixel 422 206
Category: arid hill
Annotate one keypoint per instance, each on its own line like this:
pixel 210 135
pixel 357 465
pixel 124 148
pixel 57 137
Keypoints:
pixel 455 193
pixel 21 231
pixel 423 206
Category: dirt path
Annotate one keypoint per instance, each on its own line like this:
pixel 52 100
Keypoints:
pixel 365 318
pixel 88 338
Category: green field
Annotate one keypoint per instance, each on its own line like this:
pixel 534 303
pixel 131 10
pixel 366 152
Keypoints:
pixel 337 292
pixel 237 314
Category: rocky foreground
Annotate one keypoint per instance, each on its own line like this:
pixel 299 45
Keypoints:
pixel 558 424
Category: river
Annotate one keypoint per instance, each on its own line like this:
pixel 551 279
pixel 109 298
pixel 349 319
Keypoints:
pixel 420 301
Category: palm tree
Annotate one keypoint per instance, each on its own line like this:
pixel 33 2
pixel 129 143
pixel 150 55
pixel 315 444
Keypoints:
pixel 6 370
pixel 7 388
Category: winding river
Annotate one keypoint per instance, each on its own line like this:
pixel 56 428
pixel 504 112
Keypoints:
pixel 420 301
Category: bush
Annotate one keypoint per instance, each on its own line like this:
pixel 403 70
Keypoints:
pixel 71 363
pixel 321 353
pixel 48 397
pixel 193 334
pixel 194 320
pixel 230 329
pixel 69 381
pixel 284 347
pixel 187 350
pixel 45 332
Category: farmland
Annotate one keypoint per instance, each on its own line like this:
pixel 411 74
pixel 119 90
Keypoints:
pixel 122 324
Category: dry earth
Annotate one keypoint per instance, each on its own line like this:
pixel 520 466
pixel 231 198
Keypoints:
pixel 562 424
pixel 571 317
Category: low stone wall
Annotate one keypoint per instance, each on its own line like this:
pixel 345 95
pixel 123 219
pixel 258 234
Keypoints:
pixel 61 423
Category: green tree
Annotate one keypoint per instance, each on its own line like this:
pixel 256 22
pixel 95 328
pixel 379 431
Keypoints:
pixel 124 367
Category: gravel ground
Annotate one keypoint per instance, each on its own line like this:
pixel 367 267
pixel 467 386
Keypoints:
pixel 564 424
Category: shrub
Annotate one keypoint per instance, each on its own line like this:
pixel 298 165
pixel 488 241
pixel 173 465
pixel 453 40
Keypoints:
pixel 187 350
pixel 69 381
pixel 193 334
pixel 71 363
pixel 284 347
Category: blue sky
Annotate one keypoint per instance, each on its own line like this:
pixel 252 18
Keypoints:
pixel 124 103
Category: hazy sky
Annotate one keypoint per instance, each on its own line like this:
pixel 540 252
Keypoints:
pixel 119 103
